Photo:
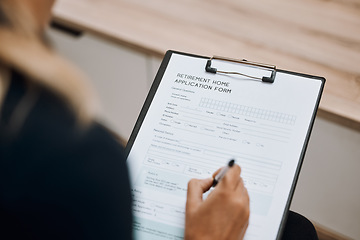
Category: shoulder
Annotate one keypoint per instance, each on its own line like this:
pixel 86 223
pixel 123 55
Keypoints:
pixel 38 130
pixel 38 121
pixel 55 173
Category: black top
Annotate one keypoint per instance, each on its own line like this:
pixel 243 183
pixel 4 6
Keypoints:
pixel 56 180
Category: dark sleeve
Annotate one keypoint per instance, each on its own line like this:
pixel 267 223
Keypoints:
pixel 93 185
pixel 58 181
pixel 77 190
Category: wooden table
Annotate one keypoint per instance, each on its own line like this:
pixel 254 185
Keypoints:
pixel 309 36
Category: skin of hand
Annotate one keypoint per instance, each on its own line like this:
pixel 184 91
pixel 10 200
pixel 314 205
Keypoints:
pixel 224 214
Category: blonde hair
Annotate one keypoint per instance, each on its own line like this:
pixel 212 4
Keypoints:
pixel 23 48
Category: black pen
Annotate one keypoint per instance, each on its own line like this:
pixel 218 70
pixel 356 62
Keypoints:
pixel 222 172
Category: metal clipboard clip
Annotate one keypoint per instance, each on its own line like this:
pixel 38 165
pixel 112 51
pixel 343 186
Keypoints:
pixel 268 67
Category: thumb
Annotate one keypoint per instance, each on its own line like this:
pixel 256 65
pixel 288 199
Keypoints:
pixel 196 188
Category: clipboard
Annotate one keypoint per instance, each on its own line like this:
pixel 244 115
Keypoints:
pixel 201 111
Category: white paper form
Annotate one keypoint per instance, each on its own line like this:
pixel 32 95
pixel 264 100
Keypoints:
pixel 198 121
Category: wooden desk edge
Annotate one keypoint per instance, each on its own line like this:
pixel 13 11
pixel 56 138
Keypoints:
pixel 117 40
pixel 323 113
pixel 339 119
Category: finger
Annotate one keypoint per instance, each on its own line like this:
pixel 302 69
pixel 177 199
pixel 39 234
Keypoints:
pixel 231 178
pixel 243 231
pixel 216 172
pixel 196 188
pixel 241 190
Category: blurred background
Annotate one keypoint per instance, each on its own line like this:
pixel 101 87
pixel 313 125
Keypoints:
pixel 120 44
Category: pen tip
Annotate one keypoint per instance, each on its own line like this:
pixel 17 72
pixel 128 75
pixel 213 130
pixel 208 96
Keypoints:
pixel 231 162
pixel 214 182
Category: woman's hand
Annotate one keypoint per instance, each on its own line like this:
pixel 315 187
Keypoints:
pixel 225 212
